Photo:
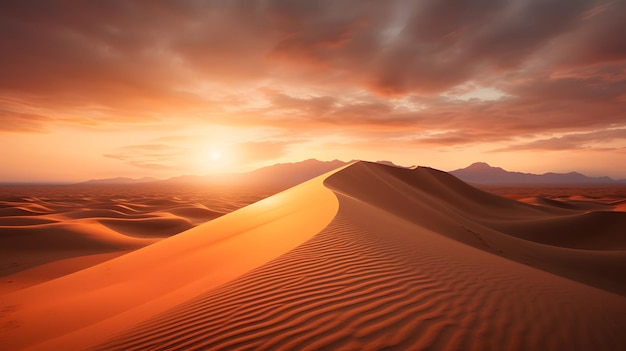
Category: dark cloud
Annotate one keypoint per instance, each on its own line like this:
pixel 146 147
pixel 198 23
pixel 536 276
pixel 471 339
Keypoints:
pixel 147 49
pixel 596 40
pixel 562 64
pixel 557 105
pixel 97 52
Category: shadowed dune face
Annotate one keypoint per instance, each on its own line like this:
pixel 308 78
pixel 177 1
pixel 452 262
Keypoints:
pixel 600 230
pixel 154 227
pixel 587 247
pixel 377 258
pixel 376 278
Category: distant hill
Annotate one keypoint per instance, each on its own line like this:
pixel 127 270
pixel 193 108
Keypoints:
pixel 282 175
pixel 278 176
pixel 119 180
pixel 482 173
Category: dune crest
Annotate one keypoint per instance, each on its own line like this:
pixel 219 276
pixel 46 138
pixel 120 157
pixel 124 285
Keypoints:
pixel 398 268
pixel 165 274
pixel 381 258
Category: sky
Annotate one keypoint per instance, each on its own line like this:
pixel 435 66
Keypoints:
pixel 100 89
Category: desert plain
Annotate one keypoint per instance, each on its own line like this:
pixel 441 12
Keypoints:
pixel 365 257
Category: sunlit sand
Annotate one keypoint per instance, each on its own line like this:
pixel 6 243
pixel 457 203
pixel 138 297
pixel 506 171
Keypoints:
pixel 368 256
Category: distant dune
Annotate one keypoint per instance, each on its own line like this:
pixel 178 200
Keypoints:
pixel 366 257
pixel 50 226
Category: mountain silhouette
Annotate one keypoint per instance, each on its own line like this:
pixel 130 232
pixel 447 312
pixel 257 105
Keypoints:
pixel 483 173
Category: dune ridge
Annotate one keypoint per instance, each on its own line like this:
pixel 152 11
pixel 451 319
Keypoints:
pixel 437 201
pixel 164 274
pixel 396 259
pixel 374 281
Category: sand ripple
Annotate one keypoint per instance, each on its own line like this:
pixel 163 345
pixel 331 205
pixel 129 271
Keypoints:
pixel 357 286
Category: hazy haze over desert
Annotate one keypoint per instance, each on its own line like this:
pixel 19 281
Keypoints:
pixel 313 175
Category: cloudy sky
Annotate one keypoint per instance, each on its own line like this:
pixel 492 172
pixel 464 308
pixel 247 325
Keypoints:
pixel 97 89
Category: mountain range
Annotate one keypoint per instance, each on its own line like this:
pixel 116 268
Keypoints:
pixel 482 173
pixel 285 175
pixel 279 176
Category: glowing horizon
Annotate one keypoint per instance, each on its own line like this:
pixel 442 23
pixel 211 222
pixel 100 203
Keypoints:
pixel 165 89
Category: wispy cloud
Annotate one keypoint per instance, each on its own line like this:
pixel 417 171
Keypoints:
pixel 573 141
pixel 149 156
pixel 400 71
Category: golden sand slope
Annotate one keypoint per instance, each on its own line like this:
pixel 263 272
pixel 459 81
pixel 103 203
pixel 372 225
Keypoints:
pixel 413 259
pixel 50 231
pixel 109 297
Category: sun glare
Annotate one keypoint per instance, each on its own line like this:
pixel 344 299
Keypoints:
pixel 216 155
pixel 213 159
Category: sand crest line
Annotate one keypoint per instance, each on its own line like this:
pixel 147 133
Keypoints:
pixel 406 259
pixel 378 278
pixel 169 272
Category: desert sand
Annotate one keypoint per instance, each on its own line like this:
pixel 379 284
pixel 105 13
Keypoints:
pixel 51 231
pixel 366 257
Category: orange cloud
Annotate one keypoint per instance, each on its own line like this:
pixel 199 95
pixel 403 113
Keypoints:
pixel 350 71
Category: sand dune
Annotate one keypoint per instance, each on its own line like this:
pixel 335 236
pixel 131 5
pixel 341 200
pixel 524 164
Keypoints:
pixel 366 257
pixel 135 286
pixel 153 227
pixel 600 230
pixel 20 211
pixel 607 204
pixel 358 285
pixel 597 197
pixel 437 201
pixel 101 213
pixel 81 235
pixel 195 214
pixel 25 247
pixel 50 267
pixel 542 201
pixel 43 224
pixel 19 221
pixel 619 206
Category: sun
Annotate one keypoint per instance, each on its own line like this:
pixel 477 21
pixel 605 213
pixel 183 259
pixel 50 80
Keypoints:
pixel 216 155
pixel 211 159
